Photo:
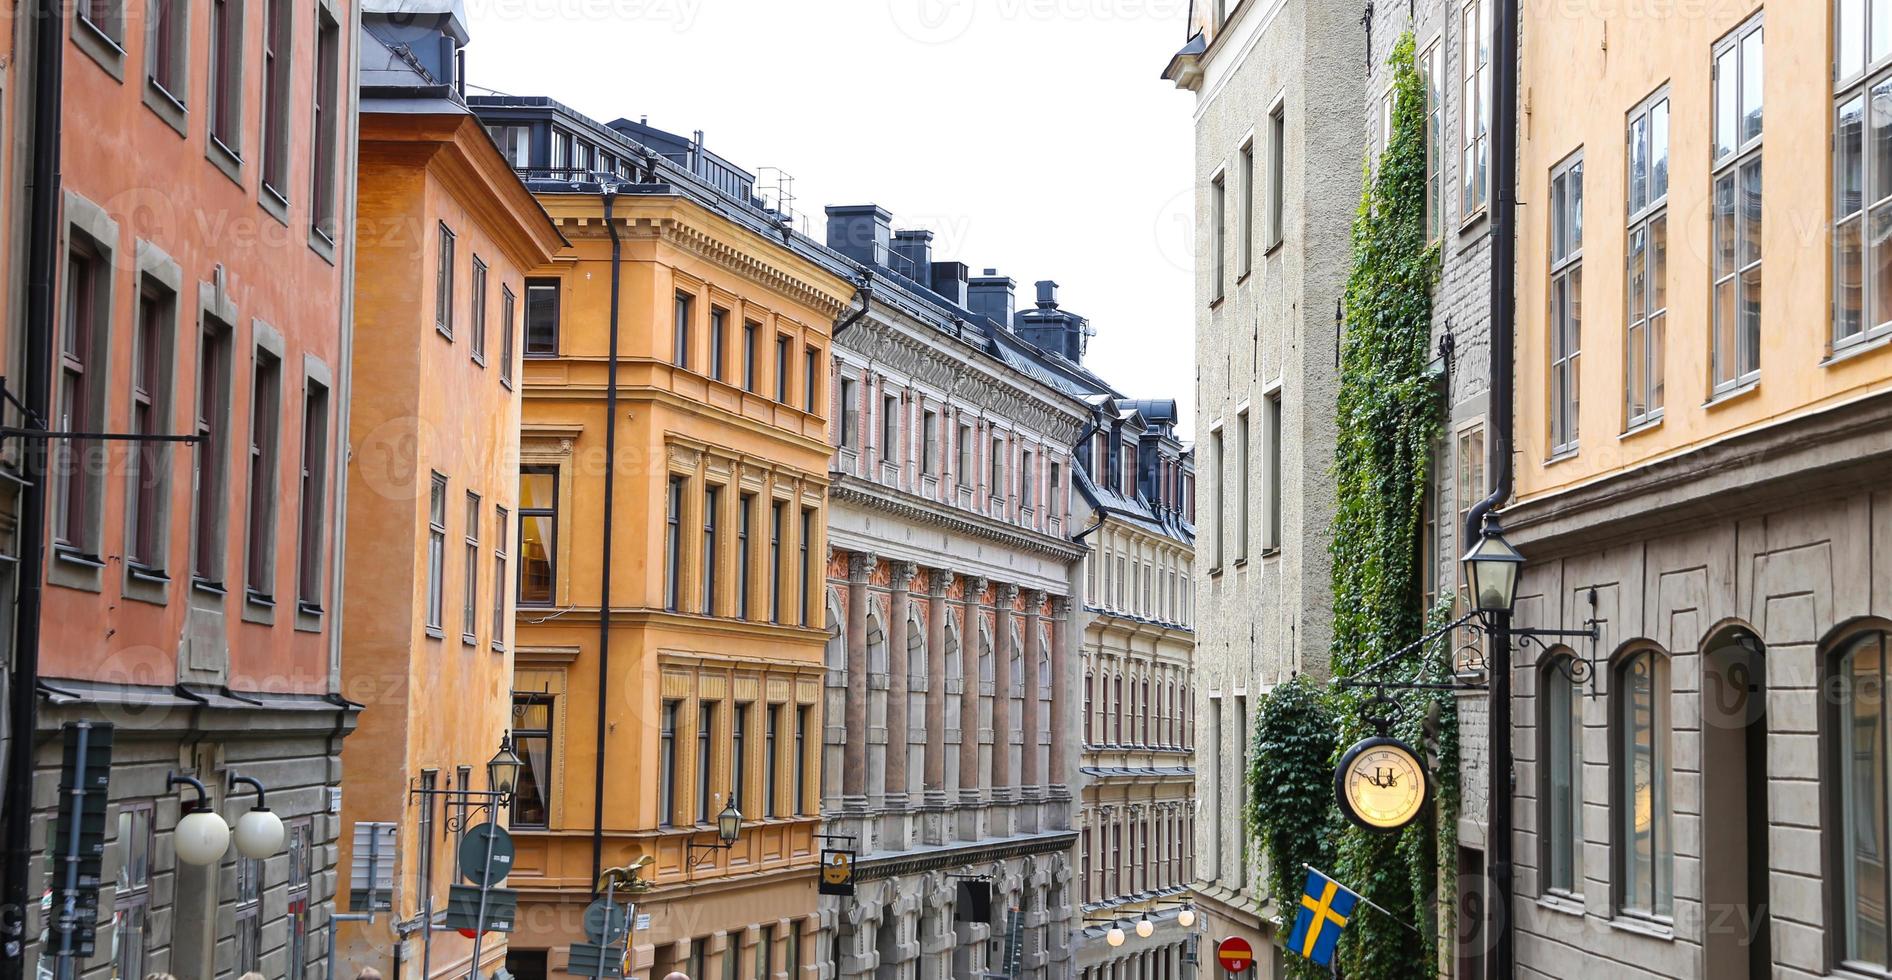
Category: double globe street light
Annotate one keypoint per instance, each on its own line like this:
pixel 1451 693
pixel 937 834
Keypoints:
pixel 203 837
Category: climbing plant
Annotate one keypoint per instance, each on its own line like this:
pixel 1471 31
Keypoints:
pixel 1291 805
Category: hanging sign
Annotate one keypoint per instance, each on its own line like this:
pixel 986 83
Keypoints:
pixel 837 872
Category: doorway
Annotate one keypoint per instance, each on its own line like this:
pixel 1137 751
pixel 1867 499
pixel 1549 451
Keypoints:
pixel 1737 935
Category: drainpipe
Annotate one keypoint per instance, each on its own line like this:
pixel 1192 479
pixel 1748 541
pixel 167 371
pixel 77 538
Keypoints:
pixel 1503 319
pixel 610 195
pixel 42 246
pixel 865 290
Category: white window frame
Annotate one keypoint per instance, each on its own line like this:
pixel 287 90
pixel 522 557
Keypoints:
pixel 1647 213
pixel 1733 164
pixel 1564 322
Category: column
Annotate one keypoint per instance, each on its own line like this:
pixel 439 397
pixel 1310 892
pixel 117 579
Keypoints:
pixel 969 781
pixel 1029 771
pixel 933 775
pixel 1003 785
pixel 1061 694
pixel 860 567
pixel 898 735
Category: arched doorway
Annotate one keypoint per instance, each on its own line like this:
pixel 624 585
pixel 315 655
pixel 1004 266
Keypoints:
pixel 1736 940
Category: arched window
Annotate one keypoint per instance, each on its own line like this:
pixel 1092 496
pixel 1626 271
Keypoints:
pixel 1859 727
pixel 1645 849
pixel 1560 728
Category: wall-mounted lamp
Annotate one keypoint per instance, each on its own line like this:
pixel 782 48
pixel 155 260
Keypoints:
pixel 259 832
pixel 201 837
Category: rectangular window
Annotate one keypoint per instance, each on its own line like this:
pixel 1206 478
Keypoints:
pixel 890 429
pixel 326 118
pixel 443 283
pixel 165 67
pixel 1563 798
pixel 507 311
pixel 1432 70
pixel 846 436
pixel 680 331
pixel 542 317
pixel 211 457
pixel 1245 221
pixel 1218 230
pixel 805 568
pixel 1243 461
pixel 226 75
pixel 470 589
pixel 1277 174
pixel 501 529
pixel 751 331
pixel 803 723
pixel 718 341
pixel 1218 453
pixel 770 763
pixel 1474 47
pixel 82 380
pixel 131 852
pixel 965 456
pixel 996 467
pixel 1271 475
pixel 277 18
pixel 1862 175
pixel 265 451
pixel 929 443
pixel 776 516
pixel 739 753
pixel 477 342
pixel 310 547
pixel 781 370
pixel 1646 851
pixel 712 512
pixel 436 554
pixel 667 762
pixel 249 913
pixel 532 740
pixel 1736 203
pixel 538 536
pixel 673 545
pixel 152 352
pixel 1566 301
pixel 1647 285
pixel 810 374
pixel 765 952
pixel 745 513
pixel 705 729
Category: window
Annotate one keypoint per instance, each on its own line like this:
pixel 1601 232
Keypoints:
pixel 477 343
pixel 769 761
pixel 436 554
pixel 538 535
pixel 265 430
pixel 507 305
pixel 1219 454
pixel 776 517
pixel 781 370
pixel 470 604
pixel 1245 221
pixel 249 918
pixel 1566 301
pixel 532 740
pixel 745 513
pixel 1218 202
pixel 1645 851
pixel 1026 498
pixel 443 283
pixel 712 512
pixel 806 566
pixel 1859 727
pixel 1648 278
pixel 1432 75
pixel 83 344
pixel 327 112
pixel 765 953
pixel 750 332
pixel 803 722
pixel 1277 174
pixel 1272 433
pixel 131 903
pixel 718 341
pixel 501 525
pixel 1737 208
pixel 152 351
pixel 277 18
pixel 705 725
pixel 165 66
pixel 739 752
pixel 104 16
pixel 300 874
pixel 850 416
pixel 226 75
pixel 965 456
pixel 673 545
pixel 667 762
pixel 210 459
pixel 890 428
pixel 1862 175
pixel 997 467
pixel 1474 47
pixel 1243 460
pixel 810 365
pixel 541 317
pixel 1562 707
pixel 680 333
pixel 313 496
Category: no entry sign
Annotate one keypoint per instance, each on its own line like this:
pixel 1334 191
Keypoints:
pixel 1235 954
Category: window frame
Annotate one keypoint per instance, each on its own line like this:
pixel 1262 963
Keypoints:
pixel 278 46
pixel 325 126
pixel 1733 166
pixel 1432 75
pixel 551 290
pixel 1277 173
pixel 550 515
pixel 152 397
pixel 522 738
pixel 1567 837
pixel 470 583
pixel 210 462
pixel 476 344
pixel 223 121
pixel 1623 796
pixel 1645 334
pixel 83 379
pixel 312 528
pixel 508 313
pixel 265 455
pixel 132 894
pixel 1859 83
pixel 1564 346
pixel 443 281
pixel 1474 79
pixel 436 555
pixel 502 527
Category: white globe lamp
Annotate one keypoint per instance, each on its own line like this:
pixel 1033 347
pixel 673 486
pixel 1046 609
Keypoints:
pixel 1145 926
pixel 201 837
pixel 259 833
pixel 1115 936
pixel 1186 918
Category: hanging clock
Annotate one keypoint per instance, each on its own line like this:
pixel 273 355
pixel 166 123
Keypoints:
pixel 1381 784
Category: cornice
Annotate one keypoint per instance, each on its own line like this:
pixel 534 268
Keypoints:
pixel 898 865
pixel 972 377
pixel 852 490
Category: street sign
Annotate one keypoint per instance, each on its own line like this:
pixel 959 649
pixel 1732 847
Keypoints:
pixel 463 908
pixel 1235 954
pixel 606 923
pixel 486 854
pixel 837 872
pixel 78 839
pixel 593 960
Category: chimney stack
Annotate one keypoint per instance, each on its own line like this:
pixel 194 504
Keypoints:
pixel 862 232
pixel 949 280
pixel 914 248
pixel 991 296
pixel 1047 294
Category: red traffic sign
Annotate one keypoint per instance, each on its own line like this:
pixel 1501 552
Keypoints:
pixel 1235 954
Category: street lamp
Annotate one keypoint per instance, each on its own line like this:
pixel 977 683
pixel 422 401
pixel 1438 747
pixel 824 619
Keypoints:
pixel 259 833
pixel 728 828
pixel 502 770
pixel 1115 936
pixel 1145 926
pixel 201 837
pixel 1186 917
pixel 1491 566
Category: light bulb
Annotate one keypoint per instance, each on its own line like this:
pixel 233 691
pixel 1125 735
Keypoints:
pixel 201 838
pixel 1115 936
pixel 259 834
pixel 1186 918
pixel 1145 927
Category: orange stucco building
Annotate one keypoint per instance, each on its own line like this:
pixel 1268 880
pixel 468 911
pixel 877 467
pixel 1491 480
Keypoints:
pixel 447 234
pixel 714 544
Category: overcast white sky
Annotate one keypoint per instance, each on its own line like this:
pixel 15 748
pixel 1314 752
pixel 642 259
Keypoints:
pixel 1033 136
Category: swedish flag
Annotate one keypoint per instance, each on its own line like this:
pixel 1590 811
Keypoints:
pixel 1325 909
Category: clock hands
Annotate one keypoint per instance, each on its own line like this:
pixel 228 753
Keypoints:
pixel 1382 777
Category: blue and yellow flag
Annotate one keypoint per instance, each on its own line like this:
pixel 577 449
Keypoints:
pixel 1325 909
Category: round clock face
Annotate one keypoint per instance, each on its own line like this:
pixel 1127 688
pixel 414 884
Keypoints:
pixel 1381 784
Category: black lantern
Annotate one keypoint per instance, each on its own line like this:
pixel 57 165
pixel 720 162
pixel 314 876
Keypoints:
pixel 729 823
pixel 502 771
pixel 1491 566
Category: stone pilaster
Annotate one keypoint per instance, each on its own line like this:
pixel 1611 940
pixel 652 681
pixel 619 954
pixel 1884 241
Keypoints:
pixel 970 782
pixel 933 774
pixel 1061 699
pixel 860 568
pixel 899 695
pixel 1004 782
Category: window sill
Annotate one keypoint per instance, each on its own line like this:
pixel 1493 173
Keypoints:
pixel 259 608
pixel 147 584
pixel 1273 247
pixel 1216 303
pixel 1268 553
pixel 208 588
pixel 499 648
pixel 309 617
pixel 1567 453
pixel 225 158
pixel 273 202
pixel 1562 904
pixel 479 359
pixel 1243 278
pixel 1648 424
pixel 444 331
pixel 468 639
pixel 1472 224
pixel 1652 928
pixel 167 107
pixel 1241 562
pixel 1738 392
pixel 100 46
pixel 434 633
pixel 1215 572
pixel 321 243
pixel 1857 348
pixel 76 570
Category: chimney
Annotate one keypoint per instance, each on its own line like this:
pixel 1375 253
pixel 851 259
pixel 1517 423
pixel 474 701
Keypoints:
pixel 990 296
pixel 861 232
pixel 914 248
pixel 949 280
pixel 1050 328
pixel 1047 294
pixel 433 31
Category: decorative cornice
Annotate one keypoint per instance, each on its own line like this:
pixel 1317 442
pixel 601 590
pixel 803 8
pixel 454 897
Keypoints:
pixel 975 377
pixel 692 239
pixel 851 490
pixel 900 865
